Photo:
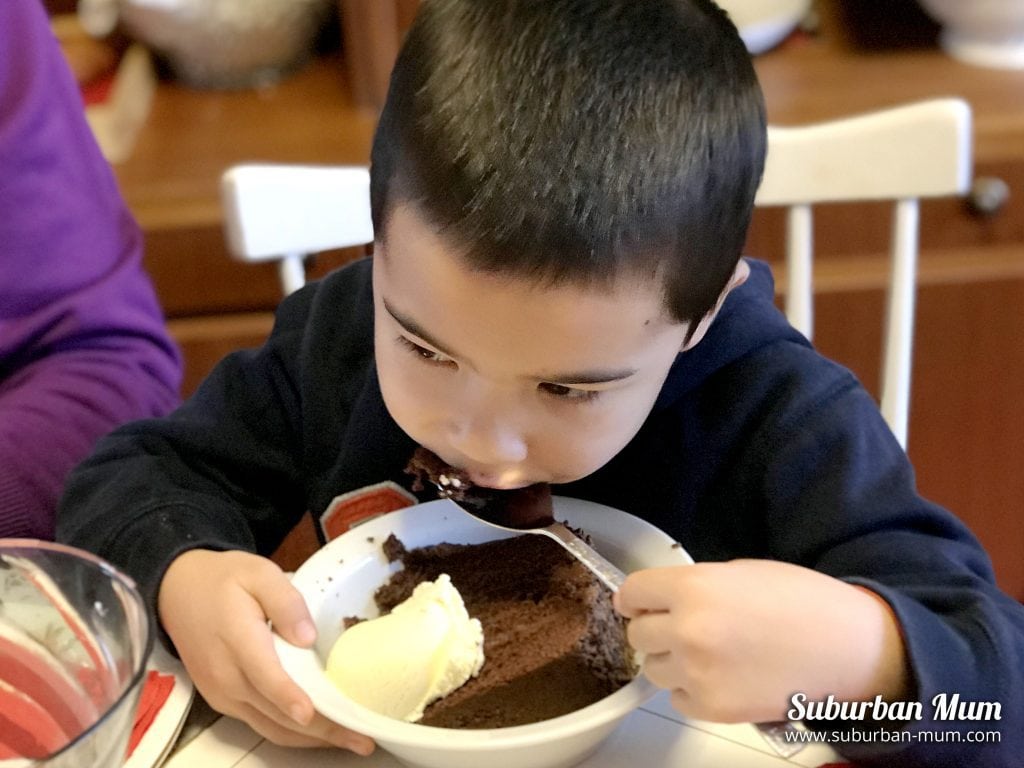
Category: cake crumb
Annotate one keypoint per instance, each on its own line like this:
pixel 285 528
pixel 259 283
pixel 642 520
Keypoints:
pixel 394 550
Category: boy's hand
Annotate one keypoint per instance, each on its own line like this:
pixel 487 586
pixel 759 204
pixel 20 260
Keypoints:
pixel 215 607
pixel 734 641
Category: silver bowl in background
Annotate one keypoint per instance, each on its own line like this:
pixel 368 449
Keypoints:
pixel 986 33
pixel 218 43
pixel 763 24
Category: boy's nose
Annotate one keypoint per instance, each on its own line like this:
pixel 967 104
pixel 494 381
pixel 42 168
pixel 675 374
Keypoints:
pixel 486 441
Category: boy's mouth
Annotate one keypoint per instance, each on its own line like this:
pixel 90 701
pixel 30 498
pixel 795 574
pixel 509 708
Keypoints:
pixel 495 482
pixel 508 480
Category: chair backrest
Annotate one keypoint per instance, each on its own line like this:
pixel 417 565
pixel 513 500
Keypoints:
pixel 286 212
pixel 900 154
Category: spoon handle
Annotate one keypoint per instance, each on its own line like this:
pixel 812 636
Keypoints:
pixel 611 576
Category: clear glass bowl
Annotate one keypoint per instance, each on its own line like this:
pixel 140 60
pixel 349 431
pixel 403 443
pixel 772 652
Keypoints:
pixel 75 638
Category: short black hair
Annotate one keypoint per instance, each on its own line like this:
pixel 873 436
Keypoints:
pixel 577 140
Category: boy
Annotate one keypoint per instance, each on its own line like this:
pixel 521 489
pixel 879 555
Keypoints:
pixel 560 192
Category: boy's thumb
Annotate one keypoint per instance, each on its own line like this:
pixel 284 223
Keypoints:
pixel 289 617
pixel 301 633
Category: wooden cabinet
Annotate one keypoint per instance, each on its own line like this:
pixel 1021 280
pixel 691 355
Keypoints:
pixel 172 179
pixel 967 420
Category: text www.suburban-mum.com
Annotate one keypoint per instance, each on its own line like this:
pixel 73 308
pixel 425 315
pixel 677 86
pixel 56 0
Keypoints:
pixel 893 737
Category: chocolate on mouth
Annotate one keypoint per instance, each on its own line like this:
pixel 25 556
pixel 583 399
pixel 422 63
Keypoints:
pixel 522 508
pixel 430 470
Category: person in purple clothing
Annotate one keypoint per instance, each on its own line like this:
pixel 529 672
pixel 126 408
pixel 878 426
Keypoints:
pixel 83 346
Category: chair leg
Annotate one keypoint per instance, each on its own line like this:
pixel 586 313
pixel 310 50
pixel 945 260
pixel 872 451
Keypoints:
pixel 799 269
pixel 292 272
pixel 899 328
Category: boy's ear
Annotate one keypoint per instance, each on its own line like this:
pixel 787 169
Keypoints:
pixel 739 277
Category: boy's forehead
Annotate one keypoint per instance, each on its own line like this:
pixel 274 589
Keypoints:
pixel 407 232
pixel 407 222
pixel 425 281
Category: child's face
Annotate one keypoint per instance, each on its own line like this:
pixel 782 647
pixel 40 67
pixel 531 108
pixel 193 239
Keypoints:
pixel 512 382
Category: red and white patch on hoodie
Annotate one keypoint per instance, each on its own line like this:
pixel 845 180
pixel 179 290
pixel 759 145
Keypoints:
pixel 350 509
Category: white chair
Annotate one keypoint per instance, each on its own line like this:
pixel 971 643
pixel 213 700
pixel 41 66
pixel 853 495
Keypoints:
pixel 285 212
pixel 900 154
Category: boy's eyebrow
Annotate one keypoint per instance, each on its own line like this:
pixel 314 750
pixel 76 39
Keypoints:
pixel 415 329
pixel 587 377
pixel 597 376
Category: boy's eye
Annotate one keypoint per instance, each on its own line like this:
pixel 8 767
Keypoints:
pixel 427 355
pixel 571 394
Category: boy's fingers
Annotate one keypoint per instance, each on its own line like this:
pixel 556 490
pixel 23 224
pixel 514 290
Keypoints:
pixel 301 632
pixel 279 733
pixel 259 665
pixel 340 736
pixel 285 608
pixel 650 633
pixel 663 670
pixel 284 699
pixel 648 590
pixel 320 733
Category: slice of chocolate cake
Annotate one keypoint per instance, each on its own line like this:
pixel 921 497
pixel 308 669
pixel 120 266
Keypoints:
pixel 552 641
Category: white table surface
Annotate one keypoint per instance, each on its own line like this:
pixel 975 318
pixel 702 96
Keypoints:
pixel 655 736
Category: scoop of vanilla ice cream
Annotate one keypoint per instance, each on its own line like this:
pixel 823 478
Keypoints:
pixel 399 663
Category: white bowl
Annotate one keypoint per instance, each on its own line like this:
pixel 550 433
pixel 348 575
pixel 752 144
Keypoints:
pixel 989 33
pixel 763 24
pixel 340 579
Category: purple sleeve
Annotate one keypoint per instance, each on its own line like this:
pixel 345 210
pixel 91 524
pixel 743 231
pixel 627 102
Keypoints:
pixel 83 346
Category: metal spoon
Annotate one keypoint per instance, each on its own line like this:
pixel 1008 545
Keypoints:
pixel 511 515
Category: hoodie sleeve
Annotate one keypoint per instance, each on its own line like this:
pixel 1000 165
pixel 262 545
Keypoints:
pixel 226 470
pixel 857 516
pixel 83 345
